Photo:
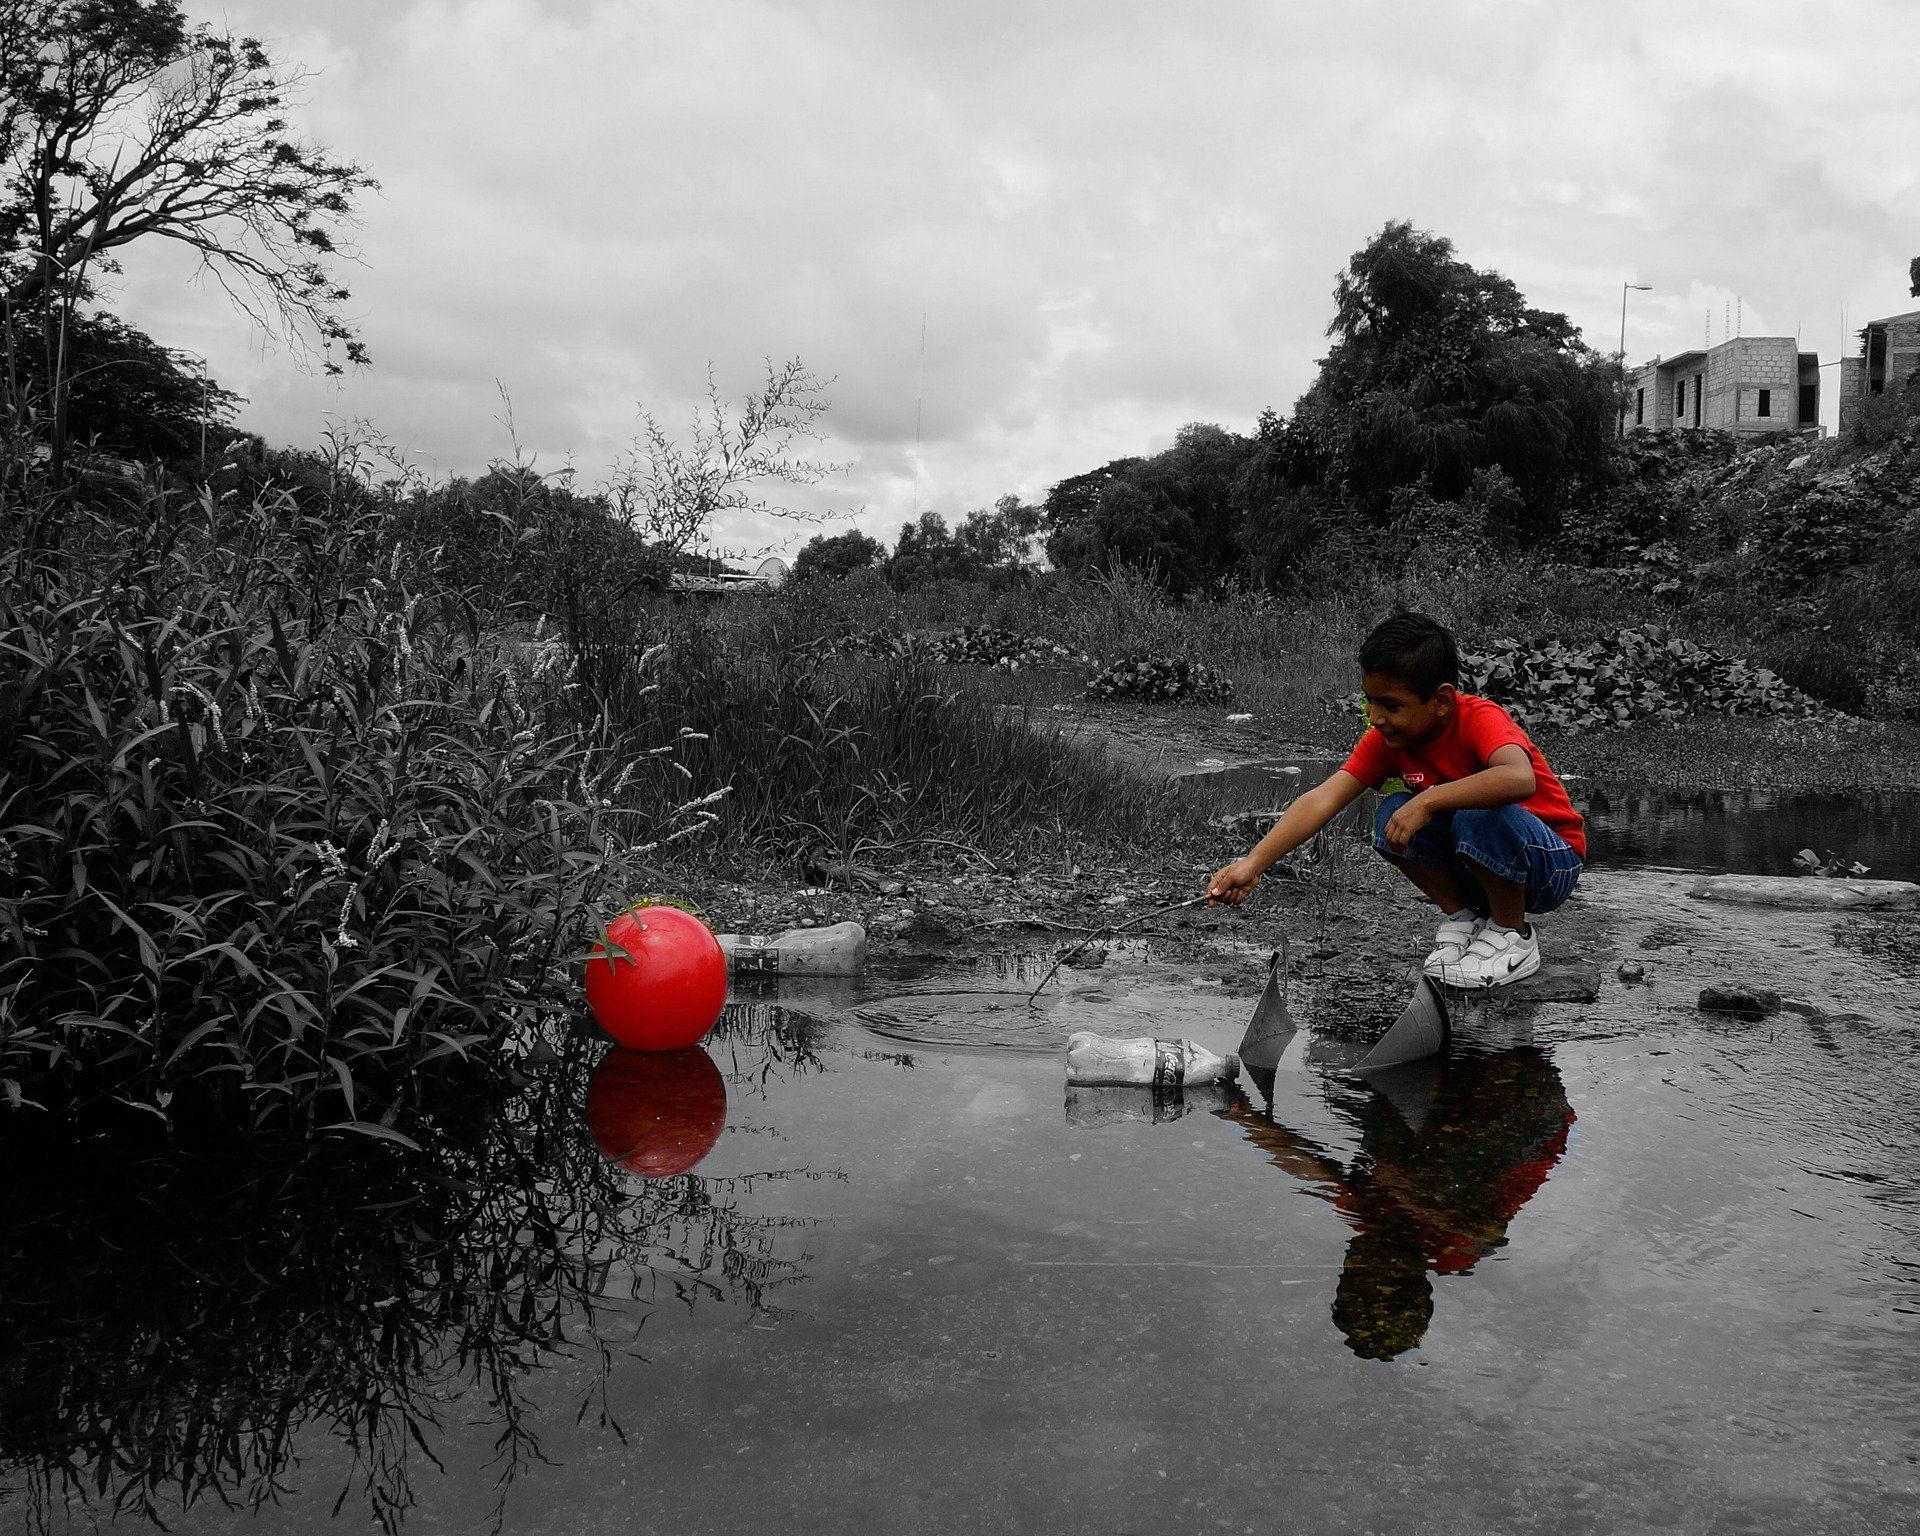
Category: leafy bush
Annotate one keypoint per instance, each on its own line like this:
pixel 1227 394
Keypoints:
pixel 1635 675
pixel 271 823
pixel 977 645
pixel 1144 676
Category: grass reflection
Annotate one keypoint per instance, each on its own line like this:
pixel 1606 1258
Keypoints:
pixel 187 1307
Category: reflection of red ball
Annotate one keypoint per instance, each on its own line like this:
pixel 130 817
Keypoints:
pixel 656 1113
pixel 672 989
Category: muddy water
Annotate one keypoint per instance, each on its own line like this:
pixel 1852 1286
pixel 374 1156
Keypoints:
pixel 1749 832
pixel 1611 1267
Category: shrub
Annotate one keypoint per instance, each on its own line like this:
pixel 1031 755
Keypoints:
pixel 273 825
pixel 1144 676
pixel 1636 675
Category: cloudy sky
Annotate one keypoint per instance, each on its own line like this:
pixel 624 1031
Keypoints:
pixel 1109 218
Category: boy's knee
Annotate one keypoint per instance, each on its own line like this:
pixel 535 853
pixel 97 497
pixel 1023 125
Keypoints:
pixel 1490 828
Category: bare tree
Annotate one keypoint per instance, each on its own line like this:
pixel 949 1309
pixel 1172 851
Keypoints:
pixel 119 122
pixel 671 490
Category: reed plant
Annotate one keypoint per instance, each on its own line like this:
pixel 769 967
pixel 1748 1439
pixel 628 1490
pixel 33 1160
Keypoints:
pixel 274 821
pixel 883 755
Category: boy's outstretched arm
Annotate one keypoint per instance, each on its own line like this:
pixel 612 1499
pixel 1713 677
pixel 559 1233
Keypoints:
pixel 1306 816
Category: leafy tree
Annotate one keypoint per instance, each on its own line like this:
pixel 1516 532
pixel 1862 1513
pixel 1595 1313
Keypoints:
pixel 1000 539
pixel 1913 277
pixel 1176 515
pixel 925 552
pixel 837 557
pixel 1439 370
pixel 119 122
pixel 124 392
pixel 988 546
pixel 1074 500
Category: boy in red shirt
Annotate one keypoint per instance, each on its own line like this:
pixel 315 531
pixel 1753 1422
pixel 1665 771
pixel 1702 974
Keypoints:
pixel 1484 829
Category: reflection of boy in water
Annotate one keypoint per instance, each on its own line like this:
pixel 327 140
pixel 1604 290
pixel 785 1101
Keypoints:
pixel 1436 1195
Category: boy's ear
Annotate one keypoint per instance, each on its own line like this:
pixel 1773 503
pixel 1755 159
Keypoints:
pixel 1446 696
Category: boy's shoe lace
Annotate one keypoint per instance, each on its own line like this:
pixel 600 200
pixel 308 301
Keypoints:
pixel 1450 943
pixel 1495 957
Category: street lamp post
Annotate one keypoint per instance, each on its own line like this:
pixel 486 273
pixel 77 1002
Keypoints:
pixel 1640 288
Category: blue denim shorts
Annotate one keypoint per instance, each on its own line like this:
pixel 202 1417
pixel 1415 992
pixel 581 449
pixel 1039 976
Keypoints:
pixel 1512 842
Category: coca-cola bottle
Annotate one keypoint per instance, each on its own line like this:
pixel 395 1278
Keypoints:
pixel 1165 1066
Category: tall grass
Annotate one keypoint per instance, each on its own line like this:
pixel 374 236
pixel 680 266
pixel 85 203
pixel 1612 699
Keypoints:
pixel 860 758
pixel 1291 657
pixel 273 823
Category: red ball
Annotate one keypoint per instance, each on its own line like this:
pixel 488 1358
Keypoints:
pixel 656 1113
pixel 670 992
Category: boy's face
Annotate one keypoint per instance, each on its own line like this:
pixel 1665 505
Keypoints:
pixel 1400 715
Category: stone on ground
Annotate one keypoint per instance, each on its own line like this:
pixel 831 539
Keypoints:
pixel 1742 1002
pixel 1813 893
pixel 1557 981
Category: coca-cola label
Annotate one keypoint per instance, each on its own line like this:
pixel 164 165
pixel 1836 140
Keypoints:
pixel 1169 1070
pixel 754 955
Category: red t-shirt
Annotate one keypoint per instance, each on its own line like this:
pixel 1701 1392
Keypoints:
pixel 1475 730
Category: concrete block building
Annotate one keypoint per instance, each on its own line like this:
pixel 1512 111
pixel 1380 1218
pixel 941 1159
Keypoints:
pixel 1750 385
pixel 1889 352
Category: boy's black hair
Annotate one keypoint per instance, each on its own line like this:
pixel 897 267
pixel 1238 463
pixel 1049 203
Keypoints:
pixel 1412 649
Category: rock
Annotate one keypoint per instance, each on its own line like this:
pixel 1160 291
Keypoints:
pixel 1742 1002
pixel 1631 971
pixel 893 887
pixel 1089 959
pixel 1557 981
pixel 1810 893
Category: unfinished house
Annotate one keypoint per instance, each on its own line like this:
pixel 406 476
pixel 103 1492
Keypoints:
pixel 1889 353
pixel 1751 384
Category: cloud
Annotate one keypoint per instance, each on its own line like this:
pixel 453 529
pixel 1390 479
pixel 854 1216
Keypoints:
pixel 1110 218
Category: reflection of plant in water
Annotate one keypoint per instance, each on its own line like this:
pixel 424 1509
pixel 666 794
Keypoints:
pixel 1428 1192
pixel 757 1043
pixel 181 1312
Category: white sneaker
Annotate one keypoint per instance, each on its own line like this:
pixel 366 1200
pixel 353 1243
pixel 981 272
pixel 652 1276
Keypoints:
pixel 1495 957
pixel 1450 942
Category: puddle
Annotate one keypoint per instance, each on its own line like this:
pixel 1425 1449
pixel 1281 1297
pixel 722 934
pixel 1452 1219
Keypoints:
pixel 1118 987
pixel 868 1262
pixel 1746 832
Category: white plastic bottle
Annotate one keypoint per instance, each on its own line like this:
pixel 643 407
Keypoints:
pixel 1162 1065
pixel 838 950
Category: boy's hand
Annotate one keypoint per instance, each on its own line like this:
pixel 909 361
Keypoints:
pixel 1234 883
pixel 1404 823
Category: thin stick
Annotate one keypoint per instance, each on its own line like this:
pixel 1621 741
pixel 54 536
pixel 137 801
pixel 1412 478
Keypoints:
pixel 1192 901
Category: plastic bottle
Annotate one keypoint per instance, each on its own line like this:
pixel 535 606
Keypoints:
pixel 839 950
pixel 1162 1065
